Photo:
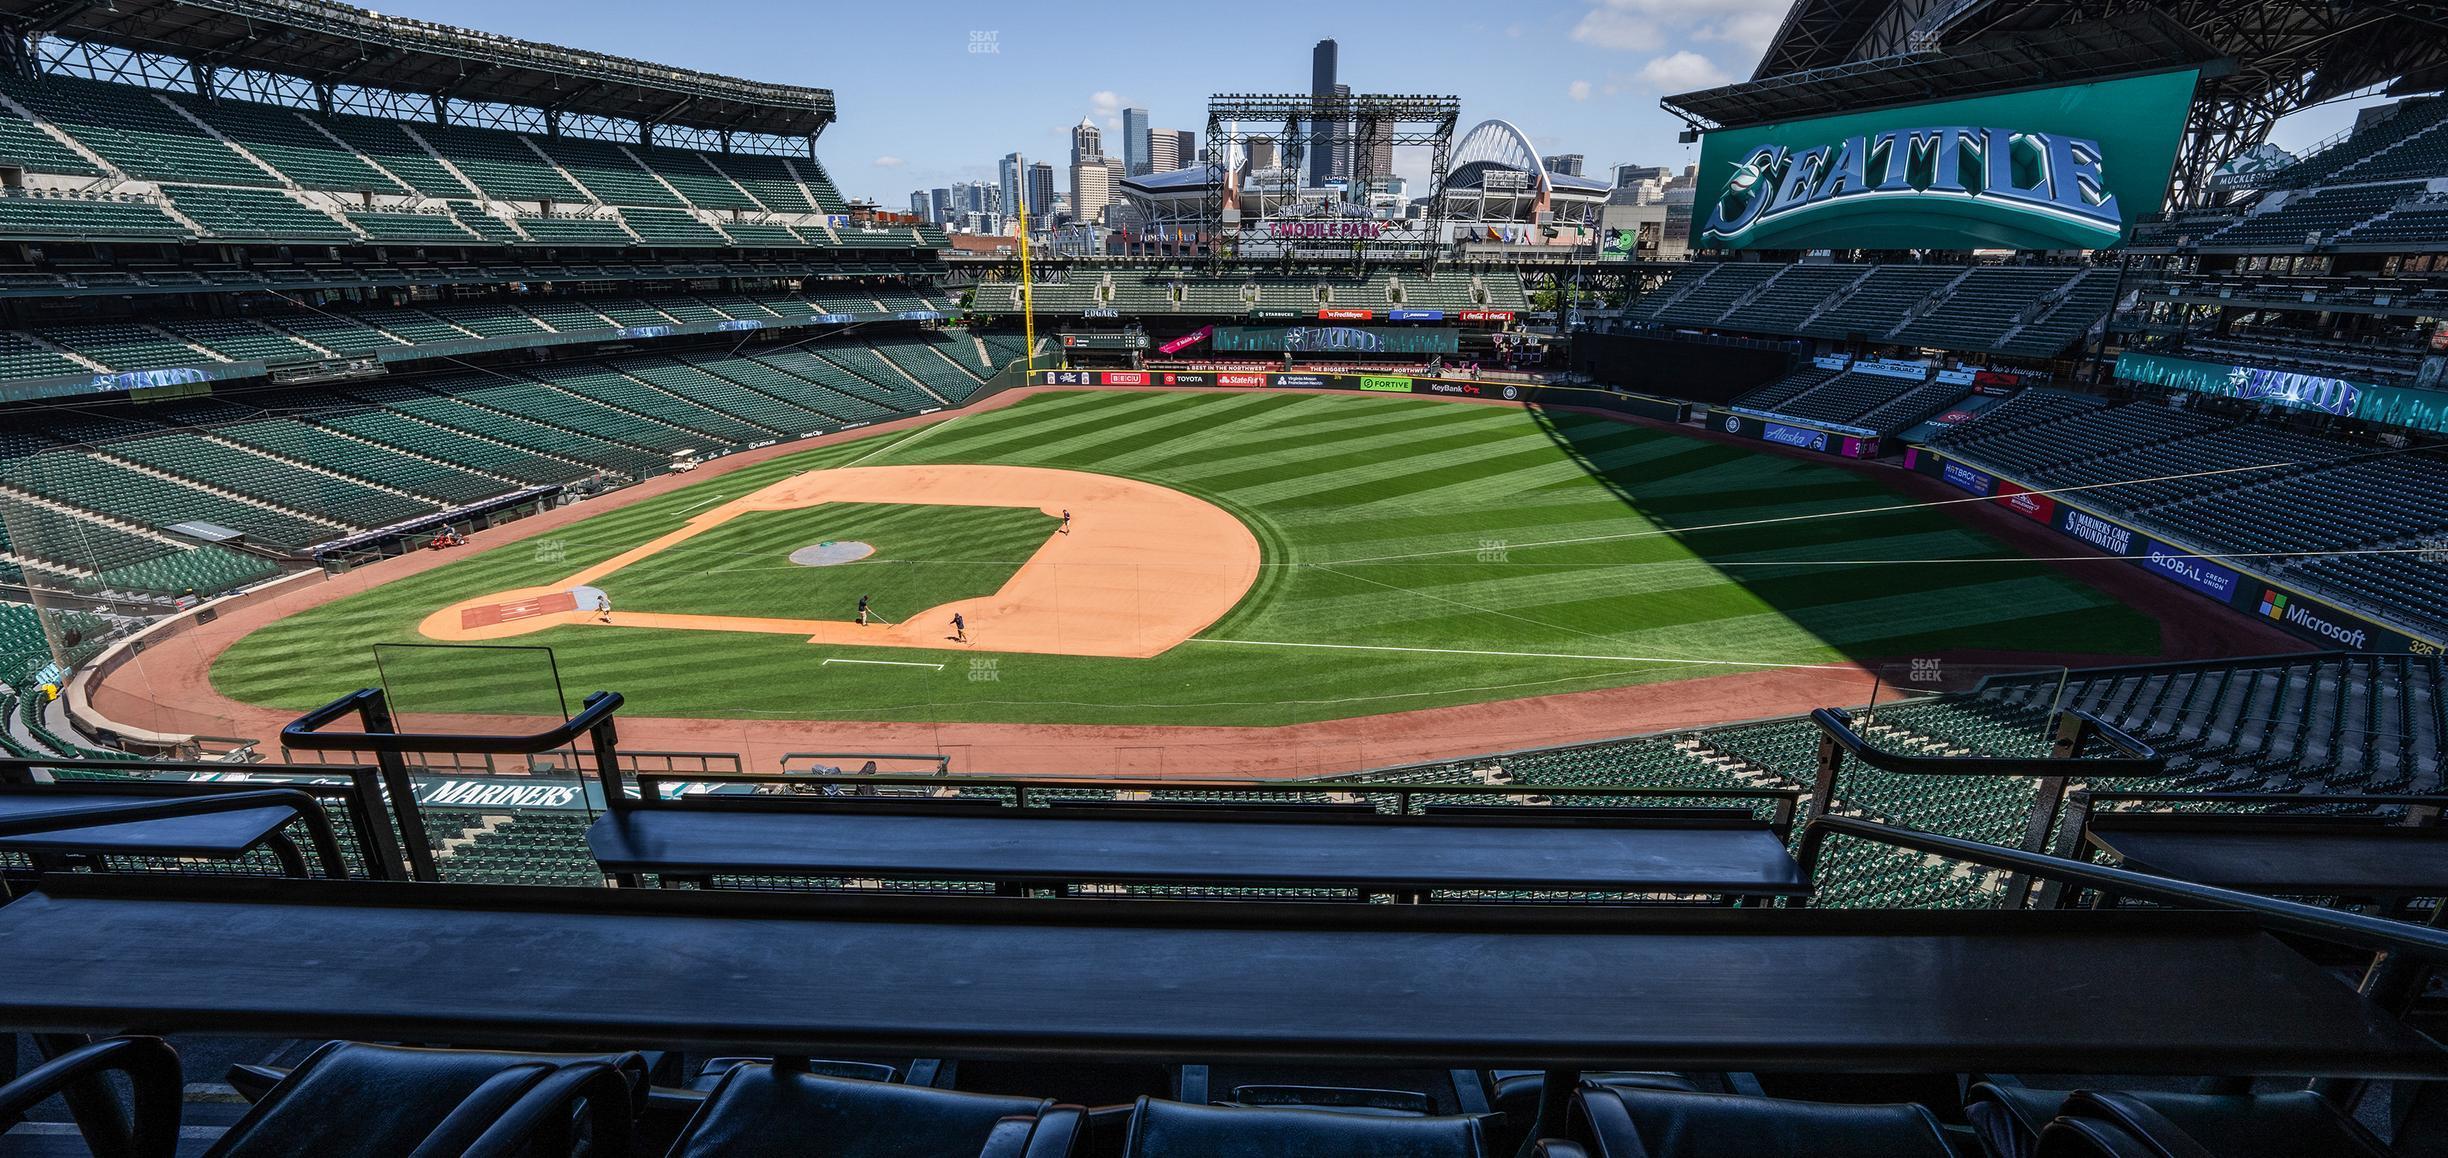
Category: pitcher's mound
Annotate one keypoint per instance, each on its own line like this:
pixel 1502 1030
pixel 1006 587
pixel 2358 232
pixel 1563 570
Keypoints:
pixel 832 553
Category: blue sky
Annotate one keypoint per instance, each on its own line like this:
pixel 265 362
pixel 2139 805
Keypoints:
pixel 919 108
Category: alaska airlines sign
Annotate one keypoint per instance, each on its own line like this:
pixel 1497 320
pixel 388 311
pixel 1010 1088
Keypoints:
pixel 2059 168
pixel 2049 185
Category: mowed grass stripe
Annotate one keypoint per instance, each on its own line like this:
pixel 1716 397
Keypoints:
pixel 1385 465
pixel 1445 473
pixel 1235 465
pixel 1212 415
pixel 992 436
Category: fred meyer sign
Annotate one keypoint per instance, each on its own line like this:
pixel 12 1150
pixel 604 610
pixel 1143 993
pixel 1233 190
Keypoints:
pixel 2059 168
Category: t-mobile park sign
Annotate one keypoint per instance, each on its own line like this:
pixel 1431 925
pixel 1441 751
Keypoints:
pixel 1325 230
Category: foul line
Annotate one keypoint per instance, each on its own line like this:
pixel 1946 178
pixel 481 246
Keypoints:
pixel 1527 654
pixel 898 443
pixel 882 663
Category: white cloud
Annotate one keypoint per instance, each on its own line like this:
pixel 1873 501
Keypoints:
pixel 1646 25
pixel 888 161
pixel 1578 90
pixel 1681 71
pixel 1612 28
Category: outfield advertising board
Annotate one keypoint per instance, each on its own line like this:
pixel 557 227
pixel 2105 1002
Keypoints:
pixel 1641 405
pixel 2182 566
pixel 1804 437
pixel 1332 340
pixel 2026 502
pixel 1842 441
pixel 2374 402
pixel 2218 580
pixel 2066 167
pixel 1964 478
pixel 2307 615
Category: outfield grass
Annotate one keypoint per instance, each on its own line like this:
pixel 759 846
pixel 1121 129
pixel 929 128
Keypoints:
pixel 1402 536
pixel 925 556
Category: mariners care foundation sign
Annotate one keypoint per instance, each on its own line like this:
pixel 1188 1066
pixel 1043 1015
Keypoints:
pixel 2070 167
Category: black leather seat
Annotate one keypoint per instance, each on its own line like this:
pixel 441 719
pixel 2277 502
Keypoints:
pixel 763 1109
pixel 150 1129
pixel 1514 1095
pixel 353 1098
pixel 1163 1129
pixel 2295 1124
pixel 1615 1122
pixel 1334 1099
pixel 715 1068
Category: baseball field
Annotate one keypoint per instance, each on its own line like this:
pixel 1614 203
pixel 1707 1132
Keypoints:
pixel 1234 559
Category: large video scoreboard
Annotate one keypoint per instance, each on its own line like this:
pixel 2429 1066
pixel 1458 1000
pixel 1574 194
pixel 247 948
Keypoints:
pixel 2070 167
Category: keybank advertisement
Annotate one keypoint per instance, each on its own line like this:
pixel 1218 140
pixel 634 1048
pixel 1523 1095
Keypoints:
pixel 2368 401
pixel 2058 168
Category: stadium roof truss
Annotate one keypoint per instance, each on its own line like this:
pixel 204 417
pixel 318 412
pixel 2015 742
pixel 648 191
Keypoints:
pixel 334 45
pixel 1396 120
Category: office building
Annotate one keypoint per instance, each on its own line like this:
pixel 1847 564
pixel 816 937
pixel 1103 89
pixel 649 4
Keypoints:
pixel 1135 142
pixel 1008 175
pixel 1322 133
pixel 1039 188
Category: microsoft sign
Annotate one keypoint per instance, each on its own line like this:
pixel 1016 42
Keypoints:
pixel 2060 168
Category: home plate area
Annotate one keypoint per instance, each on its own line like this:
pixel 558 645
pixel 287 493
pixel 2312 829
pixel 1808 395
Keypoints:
pixel 486 615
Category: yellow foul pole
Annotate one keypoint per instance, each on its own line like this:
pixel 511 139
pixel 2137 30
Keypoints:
pixel 1028 298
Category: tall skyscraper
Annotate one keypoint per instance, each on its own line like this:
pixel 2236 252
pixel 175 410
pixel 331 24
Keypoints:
pixel 1322 132
pixel 1185 146
pixel 1086 141
pixel 1164 152
pixel 1040 191
pixel 943 206
pixel 1092 185
pixel 1380 147
pixel 1007 178
pixel 922 206
pixel 1135 159
pixel 1339 151
pixel 1090 188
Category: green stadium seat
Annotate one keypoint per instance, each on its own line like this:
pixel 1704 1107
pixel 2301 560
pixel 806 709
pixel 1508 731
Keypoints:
pixel 134 129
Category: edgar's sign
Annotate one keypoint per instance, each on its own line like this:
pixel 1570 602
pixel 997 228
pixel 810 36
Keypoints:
pixel 2047 185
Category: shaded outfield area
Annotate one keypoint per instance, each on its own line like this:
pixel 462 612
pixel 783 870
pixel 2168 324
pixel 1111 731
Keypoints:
pixel 1957 580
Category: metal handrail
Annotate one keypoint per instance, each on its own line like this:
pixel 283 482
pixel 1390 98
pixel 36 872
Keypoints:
pixel 360 789
pixel 380 735
pixel 2313 921
pixel 1786 801
pixel 305 731
pixel 2140 759
pixel 302 806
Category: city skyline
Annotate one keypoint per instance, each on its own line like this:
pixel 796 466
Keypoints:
pixel 927 99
